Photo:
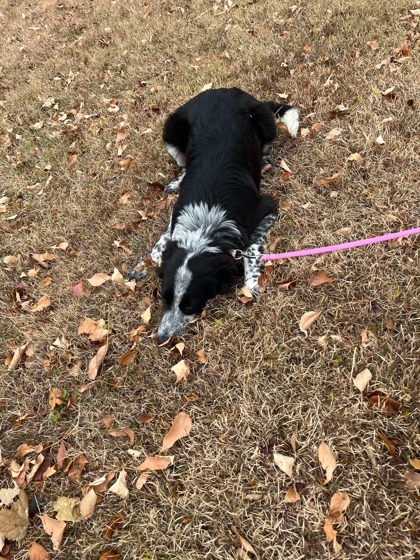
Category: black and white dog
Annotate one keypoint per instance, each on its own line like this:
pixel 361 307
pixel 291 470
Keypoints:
pixel 221 139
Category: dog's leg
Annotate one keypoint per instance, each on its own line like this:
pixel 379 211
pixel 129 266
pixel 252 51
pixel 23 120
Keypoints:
pixel 139 270
pixel 254 267
pixel 174 186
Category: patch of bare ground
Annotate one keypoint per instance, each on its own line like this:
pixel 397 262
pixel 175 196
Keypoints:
pixel 84 85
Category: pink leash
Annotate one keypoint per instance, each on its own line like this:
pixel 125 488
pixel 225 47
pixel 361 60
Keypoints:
pixel 342 246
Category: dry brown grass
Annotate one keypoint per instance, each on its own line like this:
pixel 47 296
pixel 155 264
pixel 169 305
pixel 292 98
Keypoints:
pixel 263 373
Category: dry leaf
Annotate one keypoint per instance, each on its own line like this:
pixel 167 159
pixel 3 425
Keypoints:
pixel 14 521
pixel 96 361
pixel 123 432
pixel 146 316
pixel 307 319
pixel 120 486
pixel 17 356
pixel 62 454
pixel 379 140
pixel 344 231
pixel 127 358
pixel 38 552
pixel 101 484
pixel 180 347
pixel 99 279
pixel 319 277
pixel 42 304
pixel 338 504
pixel 355 157
pixel 145 418
pixel 412 480
pixel 88 503
pixel 245 545
pixel 141 481
pixel 127 163
pixel 291 495
pixel 334 133
pixel 330 180
pixel 94 329
pixel 116 522
pixel 78 290
pixel 415 463
pixel 362 379
pixel 11 259
pixel 71 159
pixel 373 45
pixel 54 528
pixel 75 468
pixel 202 356
pixel 327 460
pixel 245 296
pixel 388 407
pixel 124 198
pixel 67 509
pixel 284 463
pixel 55 398
pixel 284 166
pixel 110 555
pixel 181 370
pixel 180 428
pixel 156 463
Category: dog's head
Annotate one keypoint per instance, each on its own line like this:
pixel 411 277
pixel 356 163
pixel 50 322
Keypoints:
pixel 188 281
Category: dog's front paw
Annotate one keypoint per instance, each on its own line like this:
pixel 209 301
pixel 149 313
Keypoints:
pixel 138 272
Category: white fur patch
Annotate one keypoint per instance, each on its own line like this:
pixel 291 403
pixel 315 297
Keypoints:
pixel 198 225
pixel 176 153
pixel 291 120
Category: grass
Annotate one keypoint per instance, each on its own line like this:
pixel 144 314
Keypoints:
pixel 265 381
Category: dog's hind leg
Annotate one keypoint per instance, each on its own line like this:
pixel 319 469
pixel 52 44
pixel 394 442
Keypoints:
pixel 254 266
pixel 175 136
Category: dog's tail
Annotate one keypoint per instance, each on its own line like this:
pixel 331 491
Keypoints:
pixel 288 115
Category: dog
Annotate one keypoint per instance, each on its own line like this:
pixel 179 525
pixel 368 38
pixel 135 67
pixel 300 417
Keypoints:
pixel 221 139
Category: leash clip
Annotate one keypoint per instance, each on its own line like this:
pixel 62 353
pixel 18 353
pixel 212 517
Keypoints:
pixel 237 254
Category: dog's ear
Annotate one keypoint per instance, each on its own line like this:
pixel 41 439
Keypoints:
pixel 166 255
pixel 226 271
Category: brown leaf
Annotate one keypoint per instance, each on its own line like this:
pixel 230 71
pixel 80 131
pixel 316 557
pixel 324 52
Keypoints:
pixel 120 486
pixel 156 463
pixel 96 362
pixel 181 370
pixel 127 358
pixel 319 277
pixel 202 356
pixel 127 163
pixel 344 231
pixel 373 45
pixel 110 555
pixel 38 552
pixel 412 480
pixel 307 319
pixel 284 166
pixel 41 304
pixel 362 379
pixel 390 444
pixel 334 133
pixel 146 418
pixel 55 398
pixel 67 509
pixel 54 528
pixel 284 463
pixel 11 259
pixel 94 329
pixel 71 159
pixel 146 316
pixel 291 495
pixel 17 356
pixel 88 503
pixel 245 296
pixel 76 467
pixel 78 290
pixel 245 545
pixel 180 428
pixel 99 279
pixel 338 504
pixel 327 460
pixel 388 407
pixel 14 521
pixel 330 180
pixel 180 347
pixel 124 198
pixel 102 483
pixel 24 449
pixel 355 157
pixel 62 454
pixel 415 463
pixel 123 432
pixel 141 481
pixel 116 522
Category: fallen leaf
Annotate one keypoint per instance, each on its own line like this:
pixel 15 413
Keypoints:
pixel 319 277
pixel 284 166
pixel 180 347
pixel 110 555
pixel 14 521
pixel 17 356
pixel 334 133
pixel 389 94
pixel 62 454
pixel 327 460
pixel 330 180
pixel 373 45
pixel 415 463
pixel 355 157
pixel 99 279
pixel 124 198
pixel 284 463
pixel 54 528
pixel 180 428
pixel 379 140
pixel 71 159
pixel 38 552
pixel 291 495
pixel 388 407
pixel 55 398
pixel 41 304
pixel 67 509
pixel 307 319
pixel 245 296
pixel 75 468
pixel 116 522
pixel 127 358
pixel 202 356
pixel 245 545
pixel 120 486
pixel 181 370
pixel 12 259
pixel 362 379
pixel 127 163
pixel 146 316
pixel 146 418
pixel 123 432
pixel 344 231
pixel 88 503
pixel 96 362
pixel 412 480
pixel 156 463
pixel 141 481
pixel 102 483
pixel 94 329
pixel 338 504
pixel 315 128
pixel 78 290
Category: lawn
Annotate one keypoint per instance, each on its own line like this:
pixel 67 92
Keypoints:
pixel 85 87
